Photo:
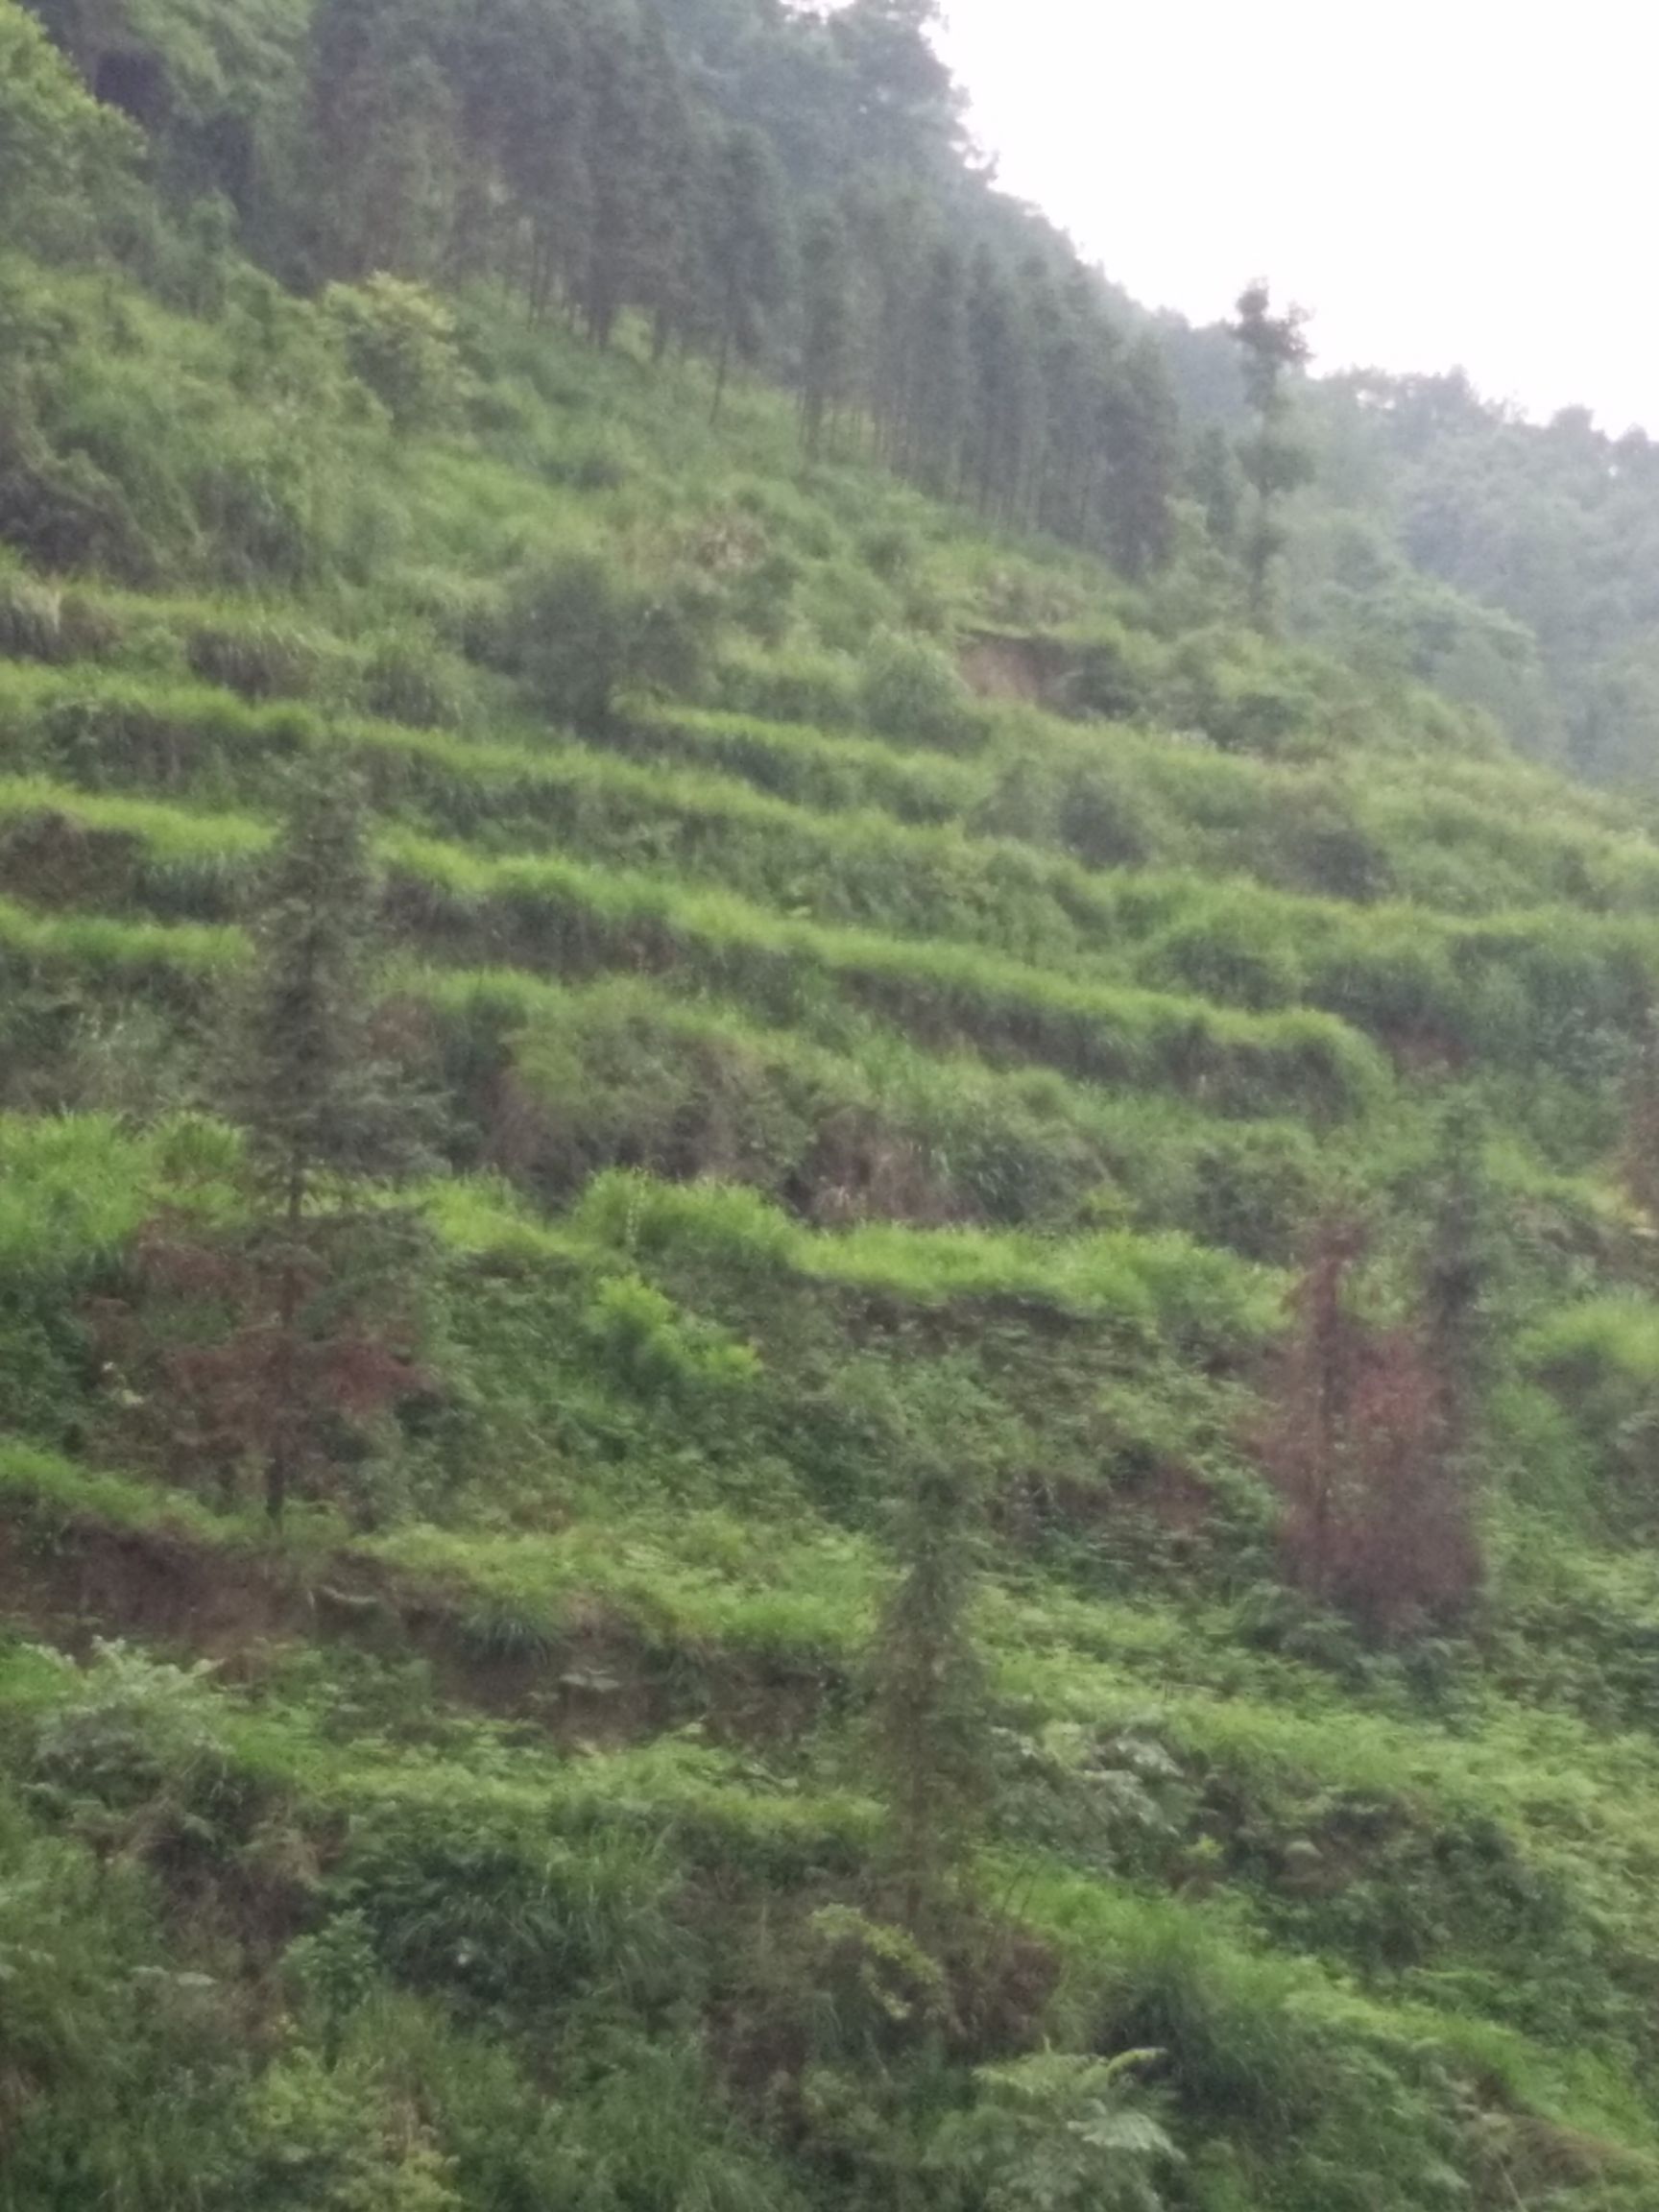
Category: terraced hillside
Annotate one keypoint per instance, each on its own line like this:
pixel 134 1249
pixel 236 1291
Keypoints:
pixel 899 1004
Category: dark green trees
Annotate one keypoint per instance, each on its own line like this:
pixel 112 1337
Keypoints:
pixel 745 250
pixel 826 347
pixel 1274 460
pixel 646 171
pixel 1142 461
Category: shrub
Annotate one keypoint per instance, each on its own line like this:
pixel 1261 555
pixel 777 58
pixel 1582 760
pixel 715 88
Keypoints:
pixel 31 618
pixel 1058 2132
pixel 648 1344
pixel 819 689
pixel 401 342
pixel 494 1908
pixel 262 659
pixel 578 633
pixel 914 691
pixel 408 679
pixel 255 510
pixel 136 1754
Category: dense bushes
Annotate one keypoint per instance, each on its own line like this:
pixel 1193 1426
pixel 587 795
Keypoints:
pixel 577 635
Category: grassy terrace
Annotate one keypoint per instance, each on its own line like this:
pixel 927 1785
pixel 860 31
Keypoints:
pixel 1522 986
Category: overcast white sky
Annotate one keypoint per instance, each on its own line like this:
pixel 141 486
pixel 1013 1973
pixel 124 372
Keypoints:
pixel 1441 182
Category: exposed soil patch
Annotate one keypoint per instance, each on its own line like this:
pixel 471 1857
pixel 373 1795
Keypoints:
pixel 1010 667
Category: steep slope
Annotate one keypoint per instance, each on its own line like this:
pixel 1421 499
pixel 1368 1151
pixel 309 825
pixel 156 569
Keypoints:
pixel 909 1016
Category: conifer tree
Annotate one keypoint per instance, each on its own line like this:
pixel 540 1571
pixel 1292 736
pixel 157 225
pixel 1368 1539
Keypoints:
pixel 544 129
pixel 326 1120
pixel 931 1723
pixel 1456 1276
pixel 617 220
pixel 747 249
pixel 1143 450
pixel 943 373
pixel 889 236
pixel 1003 373
pixel 1274 461
pixel 1639 1150
pixel 385 122
pixel 1377 1517
pixel 826 337
pixel 671 185
pixel 1215 481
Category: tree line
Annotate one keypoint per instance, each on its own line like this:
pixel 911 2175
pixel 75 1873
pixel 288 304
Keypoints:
pixel 753 185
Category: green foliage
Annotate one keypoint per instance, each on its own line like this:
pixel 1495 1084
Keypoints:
pixel 912 692
pixel 401 342
pixel 1057 2131
pixel 578 633
pixel 63 158
pixel 501 1914
pixel 336 2139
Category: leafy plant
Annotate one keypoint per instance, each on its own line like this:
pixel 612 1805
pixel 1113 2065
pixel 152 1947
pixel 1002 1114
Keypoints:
pixel 1058 2132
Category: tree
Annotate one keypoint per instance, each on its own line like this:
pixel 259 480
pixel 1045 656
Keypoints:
pixel 327 1122
pixel 1377 1518
pixel 1639 1150
pixel 904 109
pixel 1457 1275
pixel 746 248
pixel 1142 450
pixel 1007 389
pixel 931 1723
pixel 672 180
pixel 616 183
pixel 384 123
pixel 943 375
pixel 827 338
pixel 1215 481
pixel 274 1335
pixel 1274 461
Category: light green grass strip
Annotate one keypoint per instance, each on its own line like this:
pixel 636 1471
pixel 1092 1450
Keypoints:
pixel 1142 1282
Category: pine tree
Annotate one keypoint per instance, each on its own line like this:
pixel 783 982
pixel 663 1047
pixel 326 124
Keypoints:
pixel 1377 1519
pixel 616 218
pixel 1639 1150
pixel 1005 389
pixel 1456 1279
pixel 1274 461
pixel 386 130
pixel 931 1725
pixel 1215 481
pixel 827 338
pixel 943 373
pixel 326 1120
pixel 1143 453
pixel 747 253
pixel 671 186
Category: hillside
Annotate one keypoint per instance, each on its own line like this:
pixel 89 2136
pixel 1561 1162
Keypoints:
pixel 817 1652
